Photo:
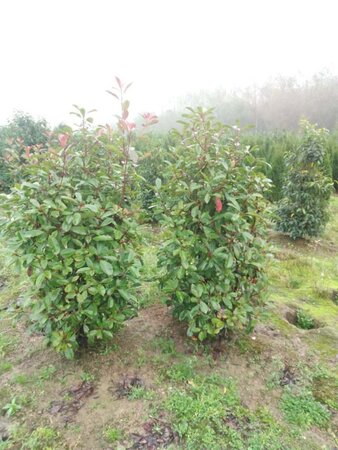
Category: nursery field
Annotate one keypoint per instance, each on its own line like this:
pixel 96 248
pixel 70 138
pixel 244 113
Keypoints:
pixel 154 387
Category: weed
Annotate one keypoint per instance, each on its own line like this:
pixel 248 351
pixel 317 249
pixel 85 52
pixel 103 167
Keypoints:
pixel 303 410
pixel 141 393
pixel 46 373
pixel 6 344
pixel 12 407
pixel 182 371
pixel 112 435
pixel 295 283
pixel 304 320
pixel 200 412
pixel 275 372
pixel 166 345
pixel 43 438
pixel 21 378
pixel 5 366
pixel 87 377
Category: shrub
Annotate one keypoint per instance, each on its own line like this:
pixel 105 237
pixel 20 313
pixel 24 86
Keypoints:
pixel 73 229
pixel 303 211
pixel 271 147
pixel 153 151
pixel 20 133
pixel 215 213
pixel 334 159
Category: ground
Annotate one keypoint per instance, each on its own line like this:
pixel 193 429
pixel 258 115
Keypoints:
pixel 153 387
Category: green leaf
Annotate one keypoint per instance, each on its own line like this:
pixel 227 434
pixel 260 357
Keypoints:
pixel 124 294
pixel 158 183
pixel 197 290
pixel 31 233
pixel 103 238
pixel 106 267
pixel 79 230
pixel 76 218
pixel 204 307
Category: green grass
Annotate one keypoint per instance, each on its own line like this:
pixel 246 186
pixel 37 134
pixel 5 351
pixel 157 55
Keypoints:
pixel 180 371
pixel 199 411
pixel 210 403
pixel 208 414
pixel 42 438
pixel 141 393
pixel 304 411
pixel 112 435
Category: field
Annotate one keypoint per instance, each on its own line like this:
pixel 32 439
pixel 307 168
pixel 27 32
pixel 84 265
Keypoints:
pixel 154 387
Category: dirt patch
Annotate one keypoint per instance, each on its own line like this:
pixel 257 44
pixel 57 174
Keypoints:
pixel 75 399
pixel 158 434
pixel 288 376
pixel 4 429
pixel 125 387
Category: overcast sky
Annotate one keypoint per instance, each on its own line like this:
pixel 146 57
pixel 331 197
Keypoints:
pixel 58 52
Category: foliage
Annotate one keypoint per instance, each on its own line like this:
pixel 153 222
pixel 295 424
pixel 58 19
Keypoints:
pixel 214 210
pixel 303 211
pixel 20 134
pixel 303 410
pixel 152 150
pixel 12 407
pixel 333 147
pixel 271 147
pixel 304 320
pixel 73 229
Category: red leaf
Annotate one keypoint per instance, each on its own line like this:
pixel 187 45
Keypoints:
pixel 63 139
pixel 219 205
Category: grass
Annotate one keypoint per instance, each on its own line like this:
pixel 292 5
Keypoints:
pixel 112 435
pixel 304 411
pixel 42 438
pixel 232 399
pixel 141 393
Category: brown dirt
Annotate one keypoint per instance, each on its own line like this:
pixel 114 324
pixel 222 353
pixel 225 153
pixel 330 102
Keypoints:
pixel 83 410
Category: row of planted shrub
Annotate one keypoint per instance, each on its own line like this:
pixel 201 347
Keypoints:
pixel 73 223
pixel 271 148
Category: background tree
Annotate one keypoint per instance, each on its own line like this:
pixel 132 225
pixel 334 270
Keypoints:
pixel 303 210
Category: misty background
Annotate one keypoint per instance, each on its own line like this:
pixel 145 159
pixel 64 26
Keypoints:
pixel 267 63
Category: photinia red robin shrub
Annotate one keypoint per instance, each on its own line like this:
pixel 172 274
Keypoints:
pixel 213 207
pixel 72 227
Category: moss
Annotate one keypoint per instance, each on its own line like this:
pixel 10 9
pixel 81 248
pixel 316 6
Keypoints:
pixel 254 347
pixel 324 341
pixel 325 390
pixel 281 324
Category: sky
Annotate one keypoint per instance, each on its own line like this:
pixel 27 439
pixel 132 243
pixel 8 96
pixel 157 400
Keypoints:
pixel 56 53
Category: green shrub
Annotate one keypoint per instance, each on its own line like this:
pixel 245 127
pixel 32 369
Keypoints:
pixel 215 213
pixel 334 159
pixel 271 147
pixel 303 211
pixel 153 151
pixel 16 138
pixel 73 229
